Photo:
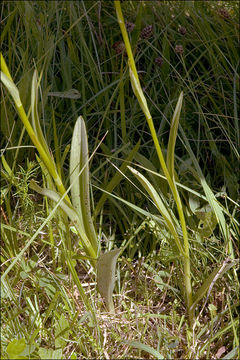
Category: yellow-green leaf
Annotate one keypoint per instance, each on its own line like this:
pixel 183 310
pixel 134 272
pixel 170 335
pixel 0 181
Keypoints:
pixel 15 348
pixel 12 89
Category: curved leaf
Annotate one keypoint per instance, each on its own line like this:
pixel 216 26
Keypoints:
pixel 11 88
pixel 71 213
pixel 211 279
pixel 146 348
pixel 160 206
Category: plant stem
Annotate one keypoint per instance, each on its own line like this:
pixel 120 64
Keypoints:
pixel 141 98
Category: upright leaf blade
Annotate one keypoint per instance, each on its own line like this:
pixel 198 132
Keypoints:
pixel 173 136
pixel 137 89
pixel 35 118
pixel 7 80
pixel 106 266
pixel 74 168
pixel 79 179
pixel 84 189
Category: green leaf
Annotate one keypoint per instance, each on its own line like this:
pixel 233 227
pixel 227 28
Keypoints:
pixel 208 221
pixel 7 167
pixel 160 206
pixel 211 279
pixel 61 331
pixel 11 88
pixel 194 203
pixel 35 118
pixel 165 68
pixel 79 179
pixel 71 213
pixel 173 136
pixel 146 348
pixel 48 287
pixel 15 348
pixel 29 349
pixel 24 275
pixel 50 354
pixel 75 167
pixel 137 89
pixel 68 94
pixel 233 354
pixel 138 24
pixel 106 266
pixel 208 192
pixel 73 356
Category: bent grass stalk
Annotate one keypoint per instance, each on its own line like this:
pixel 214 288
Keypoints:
pixel 167 170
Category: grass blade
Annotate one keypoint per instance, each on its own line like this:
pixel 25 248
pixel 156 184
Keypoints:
pixel 160 206
pixel 210 281
pixel 116 179
pixel 71 213
pixel 173 136
pixel 208 192
pixel 146 348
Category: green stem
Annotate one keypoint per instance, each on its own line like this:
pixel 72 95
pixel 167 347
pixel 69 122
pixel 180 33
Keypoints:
pixel 122 105
pixel 141 98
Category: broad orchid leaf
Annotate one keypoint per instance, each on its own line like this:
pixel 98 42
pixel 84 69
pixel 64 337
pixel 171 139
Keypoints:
pixel 15 348
pixel 79 180
pixel 106 266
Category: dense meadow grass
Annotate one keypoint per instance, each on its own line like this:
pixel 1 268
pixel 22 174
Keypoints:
pixel 177 229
